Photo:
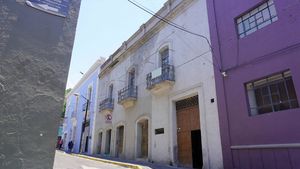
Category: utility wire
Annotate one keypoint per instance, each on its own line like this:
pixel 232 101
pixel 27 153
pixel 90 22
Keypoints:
pixel 153 13
pixel 175 25
pixel 202 56
pixel 169 22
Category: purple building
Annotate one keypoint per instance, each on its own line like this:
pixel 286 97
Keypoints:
pixel 256 47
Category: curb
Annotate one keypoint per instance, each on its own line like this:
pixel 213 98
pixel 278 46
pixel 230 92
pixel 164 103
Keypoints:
pixel 133 166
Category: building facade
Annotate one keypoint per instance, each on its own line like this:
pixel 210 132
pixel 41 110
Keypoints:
pixel 156 94
pixel 257 45
pixel 79 114
pixel 35 54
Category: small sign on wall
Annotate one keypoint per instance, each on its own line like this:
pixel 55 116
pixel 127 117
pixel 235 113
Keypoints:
pixel 159 131
pixel 155 73
pixel 108 118
pixel 55 7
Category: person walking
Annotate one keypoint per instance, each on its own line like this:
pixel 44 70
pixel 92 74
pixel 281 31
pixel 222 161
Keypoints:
pixel 61 142
pixel 70 146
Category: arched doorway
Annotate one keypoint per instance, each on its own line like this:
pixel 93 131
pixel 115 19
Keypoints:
pixel 99 147
pixel 108 141
pixel 119 141
pixel 142 138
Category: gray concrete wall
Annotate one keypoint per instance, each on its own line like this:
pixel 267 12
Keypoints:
pixel 35 52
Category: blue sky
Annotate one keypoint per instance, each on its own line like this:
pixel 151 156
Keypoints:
pixel 103 25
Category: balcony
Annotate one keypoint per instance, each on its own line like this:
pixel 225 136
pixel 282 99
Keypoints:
pixel 161 79
pixel 127 96
pixel 106 105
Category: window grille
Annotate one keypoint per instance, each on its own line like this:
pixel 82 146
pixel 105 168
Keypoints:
pixel 189 102
pixel 271 94
pixel 257 18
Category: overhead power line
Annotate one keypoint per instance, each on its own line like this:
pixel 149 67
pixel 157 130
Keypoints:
pixel 176 26
pixel 169 22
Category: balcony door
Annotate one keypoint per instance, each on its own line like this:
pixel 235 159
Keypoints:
pixel 164 57
pixel 110 91
pixel 131 78
pixel 131 82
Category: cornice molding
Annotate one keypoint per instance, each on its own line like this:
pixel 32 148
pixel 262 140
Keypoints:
pixel 86 75
pixel 170 10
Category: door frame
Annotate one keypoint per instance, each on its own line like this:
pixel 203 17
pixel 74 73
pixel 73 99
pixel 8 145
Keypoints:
pixel 181 95
pixel 99 142
pixel 105 142
pixel 124 134
pixel 136 137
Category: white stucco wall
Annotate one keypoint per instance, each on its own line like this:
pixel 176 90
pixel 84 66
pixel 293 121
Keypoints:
pixel 194 75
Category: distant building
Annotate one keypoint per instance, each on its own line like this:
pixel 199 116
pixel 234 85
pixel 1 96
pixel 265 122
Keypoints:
pixel 257 45
pixel 156 94
pixel 76 102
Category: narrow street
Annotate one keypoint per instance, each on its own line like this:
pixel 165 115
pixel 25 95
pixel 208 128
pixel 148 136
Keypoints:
pixel 67 161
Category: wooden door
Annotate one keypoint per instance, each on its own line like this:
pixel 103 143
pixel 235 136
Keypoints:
pixel 100 143
pixel 187 120
pixel 120 140
pixel 144 141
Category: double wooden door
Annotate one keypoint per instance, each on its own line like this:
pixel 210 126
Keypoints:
pixel 189 137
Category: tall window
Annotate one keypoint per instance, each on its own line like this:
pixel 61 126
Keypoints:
pixel 271 94
pixel 110 91
pixel 257 18
pixel 164 56
pixel 131 78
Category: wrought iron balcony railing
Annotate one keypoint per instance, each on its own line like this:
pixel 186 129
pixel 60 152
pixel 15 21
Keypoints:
pixel 164 73
pixel 129 92
pixel 106 104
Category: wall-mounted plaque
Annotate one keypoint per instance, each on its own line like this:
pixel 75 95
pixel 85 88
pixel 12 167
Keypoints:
pixel 159 131
pixel 55 7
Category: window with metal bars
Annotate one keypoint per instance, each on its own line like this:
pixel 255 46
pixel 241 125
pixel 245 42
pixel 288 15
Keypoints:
pixel 164 57
pixel 189 102
pixel 271 94
pixel 131 78
pixel 257 18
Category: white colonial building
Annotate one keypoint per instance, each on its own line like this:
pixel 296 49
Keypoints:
pixel 156 94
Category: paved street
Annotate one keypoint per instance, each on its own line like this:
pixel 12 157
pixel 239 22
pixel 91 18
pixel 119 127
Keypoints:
pixel 66 161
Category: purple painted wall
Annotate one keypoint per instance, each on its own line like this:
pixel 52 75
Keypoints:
pixel 272 49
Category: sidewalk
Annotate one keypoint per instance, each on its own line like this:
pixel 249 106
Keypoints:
pixel 142 164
